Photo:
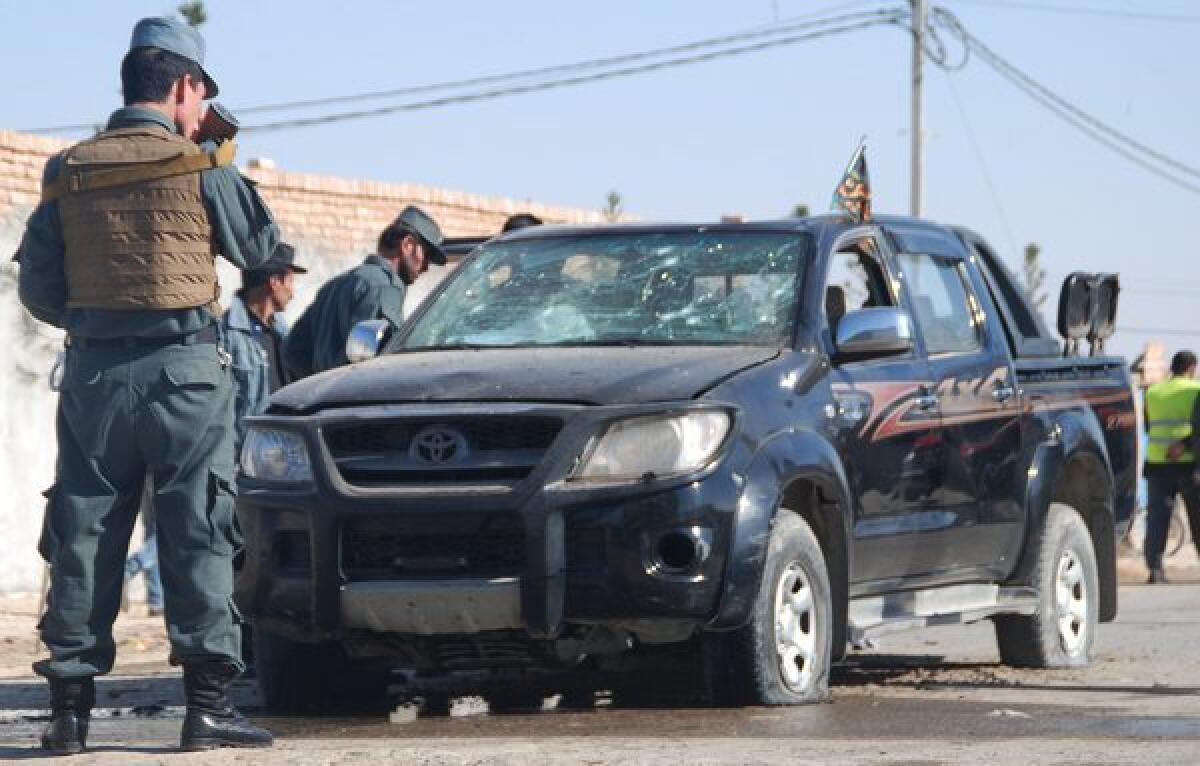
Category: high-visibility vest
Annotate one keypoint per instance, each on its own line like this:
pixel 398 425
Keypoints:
pixel 1169 408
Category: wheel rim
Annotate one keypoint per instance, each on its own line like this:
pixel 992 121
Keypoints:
pixel 1071 602
pixel 795 628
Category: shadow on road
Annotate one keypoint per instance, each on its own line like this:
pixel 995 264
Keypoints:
pixel 931 671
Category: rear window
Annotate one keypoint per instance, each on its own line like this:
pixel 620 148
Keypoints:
pixel 1026 332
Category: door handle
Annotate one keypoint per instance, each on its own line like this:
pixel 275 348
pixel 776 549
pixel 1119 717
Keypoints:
pixel 927 401
pixel 1002 393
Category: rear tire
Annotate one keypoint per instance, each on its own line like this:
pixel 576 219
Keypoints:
pixel 782 656
pixel 1063 630
pixel 296 677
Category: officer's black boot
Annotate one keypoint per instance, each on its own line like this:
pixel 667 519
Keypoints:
pixel 211 720
pixel 71 703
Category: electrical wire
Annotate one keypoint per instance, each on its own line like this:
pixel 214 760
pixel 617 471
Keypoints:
pixel 1157 330
pixel 1117 141
pixel 876 18
pixel 785 27
pixel 1086 11
pixel 982 162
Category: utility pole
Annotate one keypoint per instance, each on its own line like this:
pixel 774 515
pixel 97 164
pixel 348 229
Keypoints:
pixel 918 52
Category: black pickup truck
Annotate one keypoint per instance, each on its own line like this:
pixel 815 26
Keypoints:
pixel 748 444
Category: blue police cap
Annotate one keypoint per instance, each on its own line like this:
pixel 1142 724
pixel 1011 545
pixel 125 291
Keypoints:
pixel 414 220
pixel 283 259
pixel 178 38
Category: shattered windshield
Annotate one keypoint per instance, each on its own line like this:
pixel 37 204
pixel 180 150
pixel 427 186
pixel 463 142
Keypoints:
pixel 698 287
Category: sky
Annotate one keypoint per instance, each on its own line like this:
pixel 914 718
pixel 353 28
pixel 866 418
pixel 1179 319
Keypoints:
pixel 752 135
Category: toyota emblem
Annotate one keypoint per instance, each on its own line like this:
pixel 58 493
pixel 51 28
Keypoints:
pixel 438 445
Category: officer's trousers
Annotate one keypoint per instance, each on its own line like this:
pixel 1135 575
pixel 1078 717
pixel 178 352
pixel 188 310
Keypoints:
pixel 123 414
pixel 1163 487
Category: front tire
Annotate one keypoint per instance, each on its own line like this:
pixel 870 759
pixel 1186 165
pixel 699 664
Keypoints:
pixel 1062 631
pixel 782 656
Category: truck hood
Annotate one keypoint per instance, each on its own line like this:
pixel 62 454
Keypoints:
pixel 587 375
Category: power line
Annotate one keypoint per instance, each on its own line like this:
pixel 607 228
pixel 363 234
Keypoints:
pixel 791 25
pixel 1086 11
pixel 1119 142
pixel 1158 330
pixel 874 18
pixel 983 166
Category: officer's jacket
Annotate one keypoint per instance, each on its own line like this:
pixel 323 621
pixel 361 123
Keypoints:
pixel 317 342
pixel 249 360
pixel 243 232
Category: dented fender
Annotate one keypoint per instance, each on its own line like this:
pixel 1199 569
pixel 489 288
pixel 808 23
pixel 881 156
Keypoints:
pixel 787 457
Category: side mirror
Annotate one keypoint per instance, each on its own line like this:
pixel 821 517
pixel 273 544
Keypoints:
pixel 366 339
pixel 874 332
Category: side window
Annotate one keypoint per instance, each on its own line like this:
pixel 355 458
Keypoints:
pixel 855 281
pixel 946 311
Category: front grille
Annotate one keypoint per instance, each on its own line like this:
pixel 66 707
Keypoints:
pixel 370 478
pixel 398 547
pixel 482 652
pixel 483 434
pixel 488 449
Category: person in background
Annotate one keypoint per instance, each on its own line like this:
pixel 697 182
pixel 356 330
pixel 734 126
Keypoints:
pixel 1170 469
pixel 372 290
pixel 520 221
pixel 144 561
pixel 255 332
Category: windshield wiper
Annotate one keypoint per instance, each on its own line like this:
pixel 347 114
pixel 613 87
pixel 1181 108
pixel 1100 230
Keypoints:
pixel 451 347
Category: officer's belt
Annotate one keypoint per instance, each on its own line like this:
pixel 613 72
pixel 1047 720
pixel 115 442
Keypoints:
pixel 75 181
pixel 205 335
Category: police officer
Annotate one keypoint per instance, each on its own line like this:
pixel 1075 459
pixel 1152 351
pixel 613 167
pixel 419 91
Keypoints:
pixel 255 329
pixel 1170 455
pixel 120 253
pixel 372 290
pixel 520 221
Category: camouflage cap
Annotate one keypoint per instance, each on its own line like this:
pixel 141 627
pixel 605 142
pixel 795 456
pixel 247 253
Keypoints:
pixel 178 38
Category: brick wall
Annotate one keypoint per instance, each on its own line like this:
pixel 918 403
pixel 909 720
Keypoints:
pixel 332 222
pixel 326 214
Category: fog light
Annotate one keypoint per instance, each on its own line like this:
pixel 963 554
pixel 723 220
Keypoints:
pixel 676 551
pixel 682 551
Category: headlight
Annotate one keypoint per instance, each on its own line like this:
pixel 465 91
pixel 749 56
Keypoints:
pixel 271 454
pixel 656 447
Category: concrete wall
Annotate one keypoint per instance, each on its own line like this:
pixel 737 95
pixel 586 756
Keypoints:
pixel 332 222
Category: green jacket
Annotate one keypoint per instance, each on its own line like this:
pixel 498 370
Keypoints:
pixel 317 341
pixel 243 229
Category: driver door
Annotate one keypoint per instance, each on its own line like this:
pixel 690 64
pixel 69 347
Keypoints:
pixel 887 426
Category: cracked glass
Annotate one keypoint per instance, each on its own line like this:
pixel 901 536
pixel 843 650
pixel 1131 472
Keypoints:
pixel 677 288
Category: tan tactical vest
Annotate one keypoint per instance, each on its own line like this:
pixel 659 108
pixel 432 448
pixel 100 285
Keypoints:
pixel 134 223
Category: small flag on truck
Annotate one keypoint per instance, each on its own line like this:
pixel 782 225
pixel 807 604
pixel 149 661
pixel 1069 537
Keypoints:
pixel 853 194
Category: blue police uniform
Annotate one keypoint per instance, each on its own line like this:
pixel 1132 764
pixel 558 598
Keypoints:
pixel 317 342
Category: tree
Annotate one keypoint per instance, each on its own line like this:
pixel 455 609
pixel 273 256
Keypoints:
pixel 193 12
pixel 1034 275
pixel 800 211
pixel 612 207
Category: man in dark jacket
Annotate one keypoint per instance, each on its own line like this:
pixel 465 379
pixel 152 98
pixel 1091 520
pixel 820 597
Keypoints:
pixel 372 290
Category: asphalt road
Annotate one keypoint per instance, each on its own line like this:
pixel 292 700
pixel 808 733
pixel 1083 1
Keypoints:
pixel 934 697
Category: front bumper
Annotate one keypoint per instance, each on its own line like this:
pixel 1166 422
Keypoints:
pixel 555 552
